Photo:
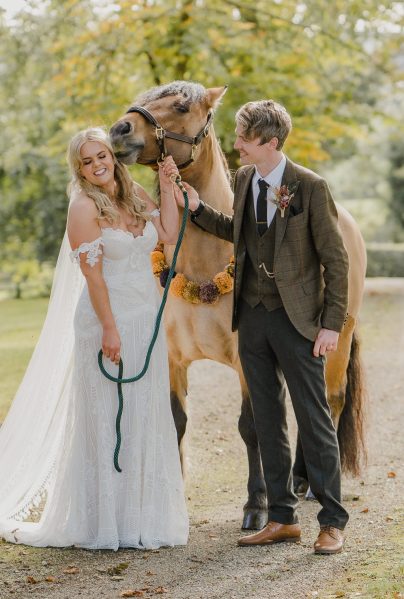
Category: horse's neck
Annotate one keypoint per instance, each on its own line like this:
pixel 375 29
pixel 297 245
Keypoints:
pixel 202 255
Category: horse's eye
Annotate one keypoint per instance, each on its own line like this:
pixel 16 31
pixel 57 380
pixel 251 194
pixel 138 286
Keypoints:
pixel 180 107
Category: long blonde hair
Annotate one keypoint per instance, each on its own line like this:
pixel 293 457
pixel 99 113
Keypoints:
pixel 126 196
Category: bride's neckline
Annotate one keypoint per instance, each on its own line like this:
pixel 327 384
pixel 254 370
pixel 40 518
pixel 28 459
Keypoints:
pixel 124 231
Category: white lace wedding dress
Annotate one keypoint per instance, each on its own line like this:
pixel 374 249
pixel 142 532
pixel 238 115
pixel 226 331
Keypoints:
pixel 80 497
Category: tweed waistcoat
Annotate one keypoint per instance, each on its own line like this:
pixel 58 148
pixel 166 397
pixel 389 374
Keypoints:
pixel 256 285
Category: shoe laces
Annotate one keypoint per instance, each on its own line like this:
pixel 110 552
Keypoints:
pixel 331 530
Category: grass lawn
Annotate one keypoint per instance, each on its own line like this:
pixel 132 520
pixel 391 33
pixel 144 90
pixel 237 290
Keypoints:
pixel 20 325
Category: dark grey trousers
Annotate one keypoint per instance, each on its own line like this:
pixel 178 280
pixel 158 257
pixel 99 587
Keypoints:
pixel 272 351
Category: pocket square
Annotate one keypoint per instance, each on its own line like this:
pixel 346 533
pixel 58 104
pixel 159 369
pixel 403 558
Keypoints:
pixel 294 210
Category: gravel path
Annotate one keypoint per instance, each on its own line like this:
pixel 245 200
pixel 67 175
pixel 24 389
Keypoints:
pixel 212 566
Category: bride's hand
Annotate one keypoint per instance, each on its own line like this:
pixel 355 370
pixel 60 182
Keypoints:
pixel 168 171
pixel 111 344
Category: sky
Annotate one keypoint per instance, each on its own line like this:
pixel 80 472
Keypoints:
pixel 12 6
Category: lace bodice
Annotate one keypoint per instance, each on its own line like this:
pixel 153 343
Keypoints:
pixel 121 251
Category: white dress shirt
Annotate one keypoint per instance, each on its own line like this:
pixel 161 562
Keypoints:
pixel 274 179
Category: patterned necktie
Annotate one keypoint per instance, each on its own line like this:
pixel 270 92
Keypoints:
pixel 262 222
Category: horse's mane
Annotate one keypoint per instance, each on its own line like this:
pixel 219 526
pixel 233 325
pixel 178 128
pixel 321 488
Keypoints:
pixel 190 91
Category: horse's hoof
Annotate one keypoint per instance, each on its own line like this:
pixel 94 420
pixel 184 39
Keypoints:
pixel 255 519
pixel 309 495
pixel 300 485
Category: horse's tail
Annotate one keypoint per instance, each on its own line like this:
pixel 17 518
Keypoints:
pixel 351 426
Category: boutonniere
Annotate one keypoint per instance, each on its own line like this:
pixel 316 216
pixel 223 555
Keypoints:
pixel 283 195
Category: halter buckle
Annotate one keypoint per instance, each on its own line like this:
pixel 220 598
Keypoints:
pixel 159 133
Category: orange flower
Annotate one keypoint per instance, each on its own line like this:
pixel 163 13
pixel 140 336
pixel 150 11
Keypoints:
pixel 158 267
pixel 223 282
pixel 157 256
pixel 178 284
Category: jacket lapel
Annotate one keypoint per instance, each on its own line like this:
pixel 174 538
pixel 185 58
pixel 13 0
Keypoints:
pixel 239 205
pixel 290 179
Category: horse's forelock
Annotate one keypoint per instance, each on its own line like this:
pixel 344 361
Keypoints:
pixel 191 92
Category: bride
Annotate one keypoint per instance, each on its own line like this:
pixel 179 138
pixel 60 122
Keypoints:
pixel 58 483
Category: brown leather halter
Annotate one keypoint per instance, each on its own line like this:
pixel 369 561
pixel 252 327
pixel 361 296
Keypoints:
pixel 161 134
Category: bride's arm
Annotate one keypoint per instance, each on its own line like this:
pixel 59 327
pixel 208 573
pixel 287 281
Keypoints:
pixel 166 218
pixel 85 239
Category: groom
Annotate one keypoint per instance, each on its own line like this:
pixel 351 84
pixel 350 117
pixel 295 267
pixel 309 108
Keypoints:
pixel 290 301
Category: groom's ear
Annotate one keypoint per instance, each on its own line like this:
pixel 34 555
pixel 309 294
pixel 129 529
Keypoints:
pixel 214 95
pixel 273 143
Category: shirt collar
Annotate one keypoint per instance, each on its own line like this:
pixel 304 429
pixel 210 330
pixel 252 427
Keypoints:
pixel 273 178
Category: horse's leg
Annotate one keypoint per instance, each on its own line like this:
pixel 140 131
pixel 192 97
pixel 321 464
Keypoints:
pixel 256 507
pixel 178 395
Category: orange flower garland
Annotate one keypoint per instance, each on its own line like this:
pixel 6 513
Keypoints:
pixel 207 292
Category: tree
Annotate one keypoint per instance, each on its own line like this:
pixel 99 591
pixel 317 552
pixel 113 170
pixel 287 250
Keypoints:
pixel 68 64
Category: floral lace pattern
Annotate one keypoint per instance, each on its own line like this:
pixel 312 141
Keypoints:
pixel 92 249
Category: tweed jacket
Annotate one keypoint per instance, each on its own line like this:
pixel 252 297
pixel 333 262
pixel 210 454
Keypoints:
pixel 310 261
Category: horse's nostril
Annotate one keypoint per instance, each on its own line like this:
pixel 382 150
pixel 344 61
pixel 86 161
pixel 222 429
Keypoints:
pixel 123 128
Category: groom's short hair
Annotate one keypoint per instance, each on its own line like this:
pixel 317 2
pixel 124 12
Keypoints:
pixel 264 119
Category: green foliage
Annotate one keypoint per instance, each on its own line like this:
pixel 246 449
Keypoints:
pixel 385 260
pixel 68 64
pixel 396 176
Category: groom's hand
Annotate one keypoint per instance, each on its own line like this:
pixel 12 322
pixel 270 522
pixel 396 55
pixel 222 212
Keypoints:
pixel 326 340
pixel 193 196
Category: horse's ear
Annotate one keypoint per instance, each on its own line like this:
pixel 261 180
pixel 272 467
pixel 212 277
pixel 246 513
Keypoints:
pixel 214 95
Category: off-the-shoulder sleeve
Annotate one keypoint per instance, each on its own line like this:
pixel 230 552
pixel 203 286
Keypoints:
pixel 93 250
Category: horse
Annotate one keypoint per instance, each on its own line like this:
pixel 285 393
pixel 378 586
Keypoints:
pixel 177 119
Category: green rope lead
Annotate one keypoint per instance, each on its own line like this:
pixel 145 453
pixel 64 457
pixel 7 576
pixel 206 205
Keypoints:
pixel 119 380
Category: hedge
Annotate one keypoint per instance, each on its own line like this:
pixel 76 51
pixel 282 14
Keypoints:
pixel 385 259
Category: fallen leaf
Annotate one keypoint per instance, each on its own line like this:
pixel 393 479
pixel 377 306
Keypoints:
pixel 50 579
pixel 160 590
pixel 131 593
pixel 212 536
pixel 340 594
pixel 117 577
pixel 31 580
pixel 118 568
pixel 391 475
pixel 71 570
pixel 365 510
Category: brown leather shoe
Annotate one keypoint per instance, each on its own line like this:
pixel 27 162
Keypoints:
pixel 274 532
pixel 330 540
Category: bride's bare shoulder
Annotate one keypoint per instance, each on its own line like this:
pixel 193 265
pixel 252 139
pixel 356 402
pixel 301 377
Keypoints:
pixel 81 206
